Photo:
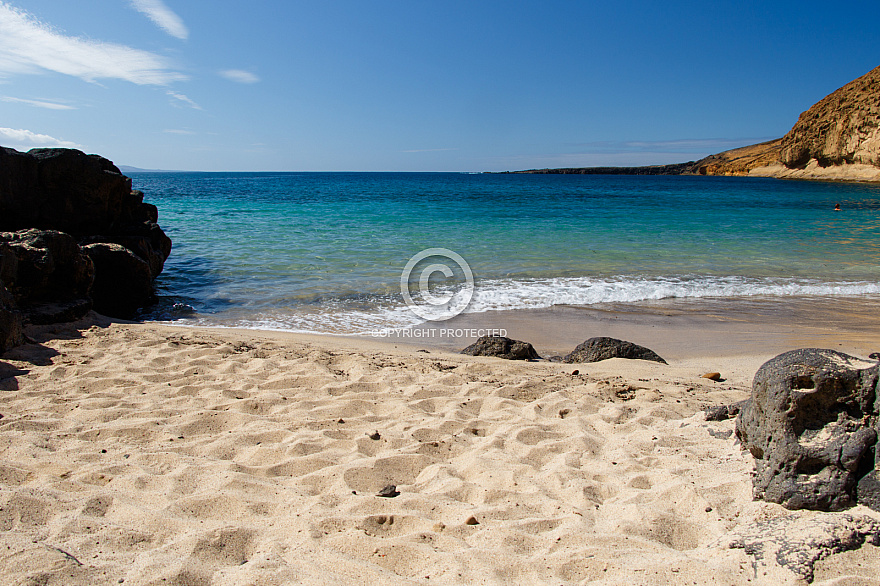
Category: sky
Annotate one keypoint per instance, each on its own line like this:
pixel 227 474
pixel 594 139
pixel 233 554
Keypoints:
pixel 344 85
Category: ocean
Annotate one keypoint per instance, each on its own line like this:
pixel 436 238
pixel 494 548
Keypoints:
pixel 324 252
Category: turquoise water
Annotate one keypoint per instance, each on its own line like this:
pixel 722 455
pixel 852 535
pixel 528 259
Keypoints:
pixel 324 252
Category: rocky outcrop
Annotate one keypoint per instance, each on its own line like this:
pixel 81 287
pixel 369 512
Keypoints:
pixel 842 128
pixel 52 203
pixel 47 274
pixel 838 138
pixel 501 347
pixel 10 321
pixel 47 265
pixel 65 190
pixel 602 348
pixel 123 282
pixel 739 161
pixel 812 425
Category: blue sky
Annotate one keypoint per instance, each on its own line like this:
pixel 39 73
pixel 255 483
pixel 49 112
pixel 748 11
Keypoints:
pixel 415 85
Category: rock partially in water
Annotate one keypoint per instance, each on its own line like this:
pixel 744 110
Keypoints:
pixel 66 199
pixel 812 425
pixel 603 348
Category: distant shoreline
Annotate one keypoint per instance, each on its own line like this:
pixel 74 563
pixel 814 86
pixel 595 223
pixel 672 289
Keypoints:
pixel 673 169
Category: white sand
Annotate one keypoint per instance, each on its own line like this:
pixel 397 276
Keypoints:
pixel 142 454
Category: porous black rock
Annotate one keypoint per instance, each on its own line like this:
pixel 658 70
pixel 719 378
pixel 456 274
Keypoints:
pixel 10 321
pixel 724 412
pixel 812 425
pixel 47 273
pixel 123 281
pixel 603 348
pixel 501 347
pixel 90 201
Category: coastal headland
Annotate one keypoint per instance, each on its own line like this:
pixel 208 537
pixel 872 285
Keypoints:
pixel 837 139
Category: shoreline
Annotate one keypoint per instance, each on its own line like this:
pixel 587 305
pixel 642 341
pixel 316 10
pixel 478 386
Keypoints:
pixel 696 331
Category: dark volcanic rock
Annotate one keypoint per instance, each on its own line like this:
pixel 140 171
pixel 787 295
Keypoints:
pixel 48 192
pixel 502 348
pixel 673 169
pixel 46 267
pixel 83 195
pixel 65 190
pixel 10 321
pixel 123 282
pixel 724 412
pixel 812 426
pixel 602 348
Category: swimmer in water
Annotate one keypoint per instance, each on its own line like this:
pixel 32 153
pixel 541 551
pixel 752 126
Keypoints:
pixel 837 207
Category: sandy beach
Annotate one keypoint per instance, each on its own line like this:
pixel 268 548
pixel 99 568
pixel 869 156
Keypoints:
pixel 149 454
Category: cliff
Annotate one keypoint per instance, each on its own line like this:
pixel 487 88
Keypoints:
pixel 841 129
pixel 73 236
pixel 838 138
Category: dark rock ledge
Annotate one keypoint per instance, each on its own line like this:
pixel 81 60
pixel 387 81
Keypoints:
pixel 73 237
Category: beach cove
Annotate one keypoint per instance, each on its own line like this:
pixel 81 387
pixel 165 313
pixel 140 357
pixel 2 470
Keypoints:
pixel 282 416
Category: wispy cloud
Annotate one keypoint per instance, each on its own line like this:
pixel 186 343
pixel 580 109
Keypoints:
pixel 164 17
pixel 30 46
pixel 38 103
pixel 239 76
pixel 20 138
pixel 181 99
pixel 427 150
pixel 178 131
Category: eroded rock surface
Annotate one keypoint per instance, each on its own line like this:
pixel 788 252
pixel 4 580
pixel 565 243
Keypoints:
pixel 53 202
pixel 603 348
pixel 47 274
pixel 843 127
pixel 812 426
pixel 10 321
pixel 123 282
pixel 796 542
pixel 501 347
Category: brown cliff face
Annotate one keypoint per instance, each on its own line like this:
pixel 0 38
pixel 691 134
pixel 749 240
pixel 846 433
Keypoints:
pixel 834 139
pixel 842 128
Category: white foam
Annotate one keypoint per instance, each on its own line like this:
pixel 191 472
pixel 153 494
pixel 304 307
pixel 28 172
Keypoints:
pixel 501 295
pixel 504 295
